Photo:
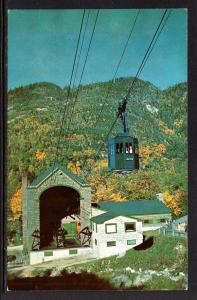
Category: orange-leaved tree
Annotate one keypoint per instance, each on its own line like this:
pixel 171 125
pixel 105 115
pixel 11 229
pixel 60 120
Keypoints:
pixel 75 168
pixel 16 205
pixel 40 155
pixel 164 127
pixel 151 153
pixel 176 201
pixel 88 152
pixel 105 189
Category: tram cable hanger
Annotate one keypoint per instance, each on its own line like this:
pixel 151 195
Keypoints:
pixel 118 65
pixel 123 150
pixel 123 115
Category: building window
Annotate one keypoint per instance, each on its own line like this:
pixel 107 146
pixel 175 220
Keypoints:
pixel 131 242
pixel 96 227
pixel 147 221
pixel 162 220
pixel 111 244
pixel 95 241
pixel 130 226
pixel 48 253
pixel 111 228
pixel 72 251
pixel 150 221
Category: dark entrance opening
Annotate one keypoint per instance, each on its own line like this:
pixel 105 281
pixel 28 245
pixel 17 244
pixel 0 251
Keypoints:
pixel 55 204
pixel 147 243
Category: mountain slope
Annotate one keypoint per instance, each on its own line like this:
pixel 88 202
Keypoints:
pixel 156 117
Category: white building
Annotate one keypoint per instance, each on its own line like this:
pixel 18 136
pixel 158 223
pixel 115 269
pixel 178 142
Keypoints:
pixel 114 235
pixel 119 226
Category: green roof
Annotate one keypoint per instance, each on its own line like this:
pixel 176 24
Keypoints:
pixel 135 207
pixel 103 218
pixel 129 209
pixel 52 170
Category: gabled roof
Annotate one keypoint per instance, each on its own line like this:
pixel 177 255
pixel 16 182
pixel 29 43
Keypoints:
pixel 106 217
pixel 54 169
pixel 102 218
pixel 135 207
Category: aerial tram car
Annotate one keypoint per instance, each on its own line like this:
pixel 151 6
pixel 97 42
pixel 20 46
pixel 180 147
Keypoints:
pixel 123 150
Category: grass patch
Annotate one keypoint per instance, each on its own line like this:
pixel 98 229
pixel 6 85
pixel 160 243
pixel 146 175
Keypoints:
pixel 164 254
pixel 163 283
pixel 161 255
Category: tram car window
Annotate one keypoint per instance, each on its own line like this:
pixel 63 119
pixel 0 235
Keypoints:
pixel 128 148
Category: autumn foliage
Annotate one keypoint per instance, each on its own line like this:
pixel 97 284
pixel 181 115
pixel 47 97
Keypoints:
pixel 40 155
pixel 16 205
pixel 104 189
pixel 166 129
pixel 119 188
pixel 75 168
pixel 33 139
pixel 175 201
pixel 151 153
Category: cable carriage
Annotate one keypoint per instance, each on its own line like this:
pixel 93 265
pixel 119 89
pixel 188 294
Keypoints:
pixel 123 150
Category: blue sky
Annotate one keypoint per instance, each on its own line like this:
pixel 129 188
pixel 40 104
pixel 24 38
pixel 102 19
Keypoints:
pixel 42 43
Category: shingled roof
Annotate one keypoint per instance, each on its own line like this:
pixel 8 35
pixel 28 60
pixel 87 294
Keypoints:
pixel 54 169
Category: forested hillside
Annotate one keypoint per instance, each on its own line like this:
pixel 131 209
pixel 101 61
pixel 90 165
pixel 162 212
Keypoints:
pixel 157 118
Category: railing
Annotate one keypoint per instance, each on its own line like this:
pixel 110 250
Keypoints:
pixel 172 232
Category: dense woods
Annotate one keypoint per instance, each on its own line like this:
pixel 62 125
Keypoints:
pixel 158 118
